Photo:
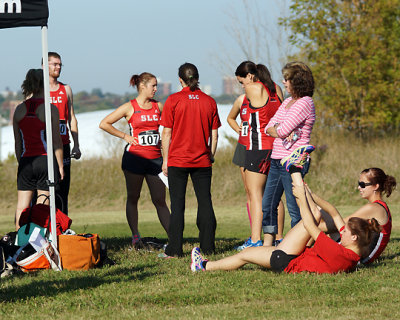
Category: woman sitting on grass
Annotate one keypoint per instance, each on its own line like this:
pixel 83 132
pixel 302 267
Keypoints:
pixel 372 184
pixel 292 255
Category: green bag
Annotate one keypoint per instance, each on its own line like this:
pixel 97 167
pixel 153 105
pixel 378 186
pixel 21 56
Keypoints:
pixel 24 233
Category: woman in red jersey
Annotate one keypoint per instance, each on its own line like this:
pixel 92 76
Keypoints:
pixel 292 255
pixel 142 157
pixel 30 143
pixel 373 184
pixel 246 74
pixel 264 98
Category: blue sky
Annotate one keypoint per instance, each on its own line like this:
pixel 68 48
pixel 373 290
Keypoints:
pixel 103 43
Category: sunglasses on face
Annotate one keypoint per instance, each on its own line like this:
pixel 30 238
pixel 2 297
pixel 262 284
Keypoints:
pixel 363 184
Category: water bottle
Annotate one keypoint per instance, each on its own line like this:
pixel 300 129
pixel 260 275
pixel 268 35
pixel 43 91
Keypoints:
pixel 287 144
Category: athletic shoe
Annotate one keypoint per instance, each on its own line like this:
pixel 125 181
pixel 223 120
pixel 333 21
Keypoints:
pixel 277 242
pixel 238 248
pixel 298 157
pixel 163 255
pixel 248 244
pixel 197 260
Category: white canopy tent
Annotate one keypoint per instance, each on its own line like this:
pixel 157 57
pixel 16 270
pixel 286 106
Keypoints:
pixel 35 13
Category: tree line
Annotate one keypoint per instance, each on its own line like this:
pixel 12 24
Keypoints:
pixel 353 48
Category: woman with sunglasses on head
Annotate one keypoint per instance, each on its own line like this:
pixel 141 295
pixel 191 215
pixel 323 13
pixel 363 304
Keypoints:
pixel 142 157
pixel 264 100
pixel 373 184
pixel 291 126
pixel 292 255
pixel 246 73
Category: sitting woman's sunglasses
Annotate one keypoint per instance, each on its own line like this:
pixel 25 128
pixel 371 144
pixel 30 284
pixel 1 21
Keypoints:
pixel 363 184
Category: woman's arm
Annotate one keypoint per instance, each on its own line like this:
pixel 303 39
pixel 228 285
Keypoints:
pixel 297 113
pixel 124 111
pixel 272 131
pixel 328 208
pixel 165 142
pixel 310 221
pixel 234 113
pixel 17 134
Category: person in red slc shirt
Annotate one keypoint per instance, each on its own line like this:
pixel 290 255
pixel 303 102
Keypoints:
pixel 292 255
pixel 189 141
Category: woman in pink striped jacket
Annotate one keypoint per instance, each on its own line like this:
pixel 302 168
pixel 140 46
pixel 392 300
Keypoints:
pixel 291 126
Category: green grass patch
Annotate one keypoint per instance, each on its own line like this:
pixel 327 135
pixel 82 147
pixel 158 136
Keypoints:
pixel 143 286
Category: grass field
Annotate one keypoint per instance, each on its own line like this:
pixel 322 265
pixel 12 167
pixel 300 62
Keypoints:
pixel 143 286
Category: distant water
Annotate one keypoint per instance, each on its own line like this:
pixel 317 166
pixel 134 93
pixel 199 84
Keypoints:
pixel 95 142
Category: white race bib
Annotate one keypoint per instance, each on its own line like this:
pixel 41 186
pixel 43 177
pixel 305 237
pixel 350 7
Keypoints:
pixel 149 138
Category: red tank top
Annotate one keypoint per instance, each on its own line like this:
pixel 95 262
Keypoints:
pixel 32 131
pixel 244 117
pixel 60 99
pixel 380 242
pixel 258 120
pixel 144 125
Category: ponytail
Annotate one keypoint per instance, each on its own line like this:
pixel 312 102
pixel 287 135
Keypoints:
pixel 33 82
pixel 263 75
pixel 190 75
pixel 260 73
pixel 365 231
pixel 377 176
pixel 144 77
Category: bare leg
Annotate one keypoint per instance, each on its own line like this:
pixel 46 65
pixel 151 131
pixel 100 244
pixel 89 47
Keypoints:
pixel 297 178
pixel 269 239
pixel 294 243
pixel 242 172
pixel 281 220
pixel 257 255
pixel 256 184
pixel 297 238
pixel 23 202
pixel 157 192
pixel 134 184
pixel 43 197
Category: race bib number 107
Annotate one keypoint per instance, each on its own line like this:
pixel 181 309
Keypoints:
pixel 149 138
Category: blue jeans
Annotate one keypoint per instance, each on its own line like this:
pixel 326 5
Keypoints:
pixel 279 180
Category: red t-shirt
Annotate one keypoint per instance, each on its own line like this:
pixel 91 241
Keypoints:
pixel 191 115
pixel 244 117
pixel 143 125
pixel 60 99
pixel 326 256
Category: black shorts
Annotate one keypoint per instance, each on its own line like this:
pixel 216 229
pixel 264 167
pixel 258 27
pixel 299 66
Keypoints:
pixel 33 174
pixel 280 260
pixel 239 156
pixel 254 158
pixel 138 165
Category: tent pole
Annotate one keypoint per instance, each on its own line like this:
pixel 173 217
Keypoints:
pixel 49 136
